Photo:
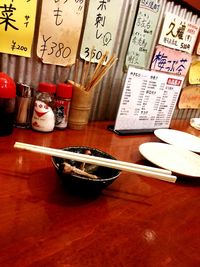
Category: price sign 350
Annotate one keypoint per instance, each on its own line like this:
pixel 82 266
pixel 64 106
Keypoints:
pixel 94 54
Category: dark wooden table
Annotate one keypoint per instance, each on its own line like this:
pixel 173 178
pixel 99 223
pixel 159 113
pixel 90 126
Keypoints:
pixel 136 221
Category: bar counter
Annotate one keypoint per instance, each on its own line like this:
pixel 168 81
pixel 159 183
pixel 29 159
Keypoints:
pixel 135 222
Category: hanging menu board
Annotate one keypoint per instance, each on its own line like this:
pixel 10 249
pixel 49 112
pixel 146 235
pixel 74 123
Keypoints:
pixel 170 60
pixel 17 24
pixel 198 47
pixel 100 29
pixel 148 101
pixel 59 31
pixel 190 97
pixel 143 33
pixel 178 33
pixel 194 73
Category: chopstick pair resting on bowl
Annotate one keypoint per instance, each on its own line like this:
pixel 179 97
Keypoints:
pixel 157 173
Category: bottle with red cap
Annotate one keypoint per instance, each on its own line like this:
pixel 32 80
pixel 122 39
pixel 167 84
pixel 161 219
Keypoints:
pixel 62 104
pixel 43 118
pixel 7 104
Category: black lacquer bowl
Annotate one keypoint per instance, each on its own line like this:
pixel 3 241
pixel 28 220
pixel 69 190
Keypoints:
pixel 83 185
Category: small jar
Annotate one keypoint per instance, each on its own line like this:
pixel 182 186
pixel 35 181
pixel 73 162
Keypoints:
pixel 62 105
pixel 43 118
pixel 7 104
pixel 24 103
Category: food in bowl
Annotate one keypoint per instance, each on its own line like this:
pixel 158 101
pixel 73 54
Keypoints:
pixel 75 175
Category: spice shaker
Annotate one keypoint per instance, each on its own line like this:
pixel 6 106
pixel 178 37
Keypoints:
pixel 43 118
pixel 62 104
pixel 7 104
pixel 24 101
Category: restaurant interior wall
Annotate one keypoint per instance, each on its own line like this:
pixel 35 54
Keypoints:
pixel 107 95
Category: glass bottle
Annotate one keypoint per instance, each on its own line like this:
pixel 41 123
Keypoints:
pixel 7 104
pixel 23 110
pixel 62 104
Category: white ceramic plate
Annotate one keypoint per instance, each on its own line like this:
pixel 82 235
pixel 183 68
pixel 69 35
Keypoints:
pixel 195 123
pixel 178 160
pixel 179 138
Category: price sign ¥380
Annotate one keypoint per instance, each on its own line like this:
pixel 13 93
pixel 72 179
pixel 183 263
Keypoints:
pixel 59 32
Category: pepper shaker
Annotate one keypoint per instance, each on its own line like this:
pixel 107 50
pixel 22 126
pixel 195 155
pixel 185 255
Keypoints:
pixel 24 103
pixel 62 105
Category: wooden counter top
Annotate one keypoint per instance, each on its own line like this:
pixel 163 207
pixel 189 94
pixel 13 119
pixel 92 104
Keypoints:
pixel 136 222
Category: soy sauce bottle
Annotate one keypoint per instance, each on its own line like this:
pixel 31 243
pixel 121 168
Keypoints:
pixel 7 104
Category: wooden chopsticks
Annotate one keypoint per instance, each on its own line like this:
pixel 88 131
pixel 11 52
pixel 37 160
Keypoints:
pixel 89 80
pixel 152 172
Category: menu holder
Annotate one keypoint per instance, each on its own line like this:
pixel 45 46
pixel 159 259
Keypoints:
pixel 129 132
pixel 148 101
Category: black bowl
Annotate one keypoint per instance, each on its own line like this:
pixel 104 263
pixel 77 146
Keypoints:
pixel 83 185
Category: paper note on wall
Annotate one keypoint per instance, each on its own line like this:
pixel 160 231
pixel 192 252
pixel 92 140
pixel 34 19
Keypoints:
pixel 190 97
pixel 100 29
pixel 170 60
pixel 17 22
pixel 59 31
pixel 178 33
pixel 198 48
pixel 194 73
pixel 143 33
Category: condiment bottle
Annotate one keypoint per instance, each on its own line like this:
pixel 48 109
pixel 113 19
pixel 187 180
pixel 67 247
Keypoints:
pixel 7 104
pixel 62 105
pixel 23 106
pixel 43 118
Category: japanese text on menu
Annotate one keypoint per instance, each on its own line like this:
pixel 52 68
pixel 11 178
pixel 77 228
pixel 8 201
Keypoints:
pixel 148 100
pixel 17 20
pixel 59 33
pixel 178 33
pixel 101 27
pixel 171 60
pixel 143 33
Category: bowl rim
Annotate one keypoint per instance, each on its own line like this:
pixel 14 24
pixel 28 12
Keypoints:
pixel 87 178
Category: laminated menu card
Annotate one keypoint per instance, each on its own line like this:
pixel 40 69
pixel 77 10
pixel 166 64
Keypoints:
pixel 148 101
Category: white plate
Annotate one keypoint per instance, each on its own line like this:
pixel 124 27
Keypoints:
pixel 179 138
pixel 195 123
pixel 170 157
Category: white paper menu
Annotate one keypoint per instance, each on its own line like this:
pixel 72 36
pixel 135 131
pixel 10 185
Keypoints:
pixel 59 31
pixel 100 29
pixel 178 33
pixel 143 34
pixel 148 100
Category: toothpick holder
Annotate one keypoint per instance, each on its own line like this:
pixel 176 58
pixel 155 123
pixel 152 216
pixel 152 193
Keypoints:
pixel 80 108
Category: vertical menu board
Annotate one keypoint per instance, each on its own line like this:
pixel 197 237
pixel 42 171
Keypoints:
pixel 17 24
pixel 59 31
pixel 148 100
pixel 100 29
pixel 143 34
